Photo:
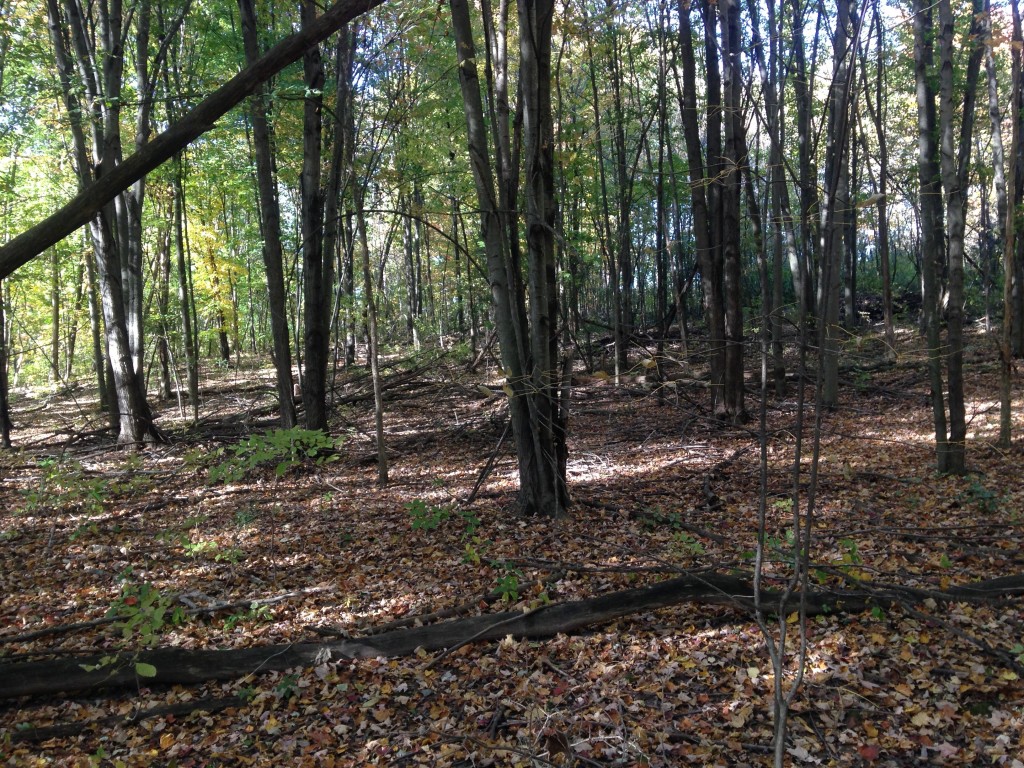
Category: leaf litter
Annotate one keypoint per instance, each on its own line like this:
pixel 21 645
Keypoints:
pixel 323 552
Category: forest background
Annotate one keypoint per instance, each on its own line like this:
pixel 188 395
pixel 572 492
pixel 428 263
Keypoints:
pixel 688 202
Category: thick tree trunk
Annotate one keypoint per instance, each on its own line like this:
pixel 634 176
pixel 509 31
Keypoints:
pixel 837 204
pixel 100 76
pixel 317 267
pixel 270 224
pixel 542 481
pixel 704 195
pixel 548 423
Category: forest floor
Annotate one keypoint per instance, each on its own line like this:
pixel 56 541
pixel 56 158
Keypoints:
pixel 658 488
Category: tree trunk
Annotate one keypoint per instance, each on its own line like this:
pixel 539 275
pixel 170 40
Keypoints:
pixel 270 224
pixel 704 194
pixel 879 111
pixel 5 389
pixel 102 84
pixel 803 262
pixel 188 329
pixel 372 346
pixel 85 205
pixel 930 205
pixel 541 478
pixel 54 317
pixel 1010 231
pixel 837 204
pixel 955 153
pixel 735 160
pixel 317 266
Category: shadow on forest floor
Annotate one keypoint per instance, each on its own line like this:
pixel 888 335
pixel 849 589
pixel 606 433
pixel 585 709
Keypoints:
pixel 657 487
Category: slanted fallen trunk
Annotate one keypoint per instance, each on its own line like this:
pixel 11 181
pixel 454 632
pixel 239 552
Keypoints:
pixel 185 666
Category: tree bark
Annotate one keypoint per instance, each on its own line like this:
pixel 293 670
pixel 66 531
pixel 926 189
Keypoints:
pixel 930 206
pixel 735 160
pixel 538 450
pixel 704 194
pixel 1010 231
pixel 317 266
pixel 270 224
pixel 955 154
pixel 186 666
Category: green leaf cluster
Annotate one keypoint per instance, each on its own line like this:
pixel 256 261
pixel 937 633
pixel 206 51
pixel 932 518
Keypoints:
pixel 284 449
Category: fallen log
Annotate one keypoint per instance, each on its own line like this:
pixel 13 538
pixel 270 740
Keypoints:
pixel 190 666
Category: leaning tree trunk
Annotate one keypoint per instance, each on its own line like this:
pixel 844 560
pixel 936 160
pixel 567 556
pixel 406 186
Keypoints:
pixel 86 204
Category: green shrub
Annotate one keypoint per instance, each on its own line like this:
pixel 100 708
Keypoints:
pixel 284 449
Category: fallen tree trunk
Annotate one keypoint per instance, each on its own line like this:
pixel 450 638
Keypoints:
pixel 186 666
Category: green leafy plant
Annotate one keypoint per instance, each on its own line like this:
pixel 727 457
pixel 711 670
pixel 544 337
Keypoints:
pixel 688 544
pixel 64 485
pixel 471 554
pixel 255 613
pixel 507 587
pixel 850 555
pixel 197 548
pixel 430 517
pixel 657 518
pixel 284 449
pixel 427 517
pixel 288 686
pixel 206 547
pixel 984 498
pixel 143 612
pixel 245 517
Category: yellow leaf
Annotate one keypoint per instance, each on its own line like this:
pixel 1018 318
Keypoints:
pixel 1008 674
pixel 793 618
pixel 921 719
pixel 166 740
pixel 870 730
